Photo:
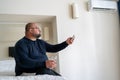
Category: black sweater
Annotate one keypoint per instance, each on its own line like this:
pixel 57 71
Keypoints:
pixel 32 54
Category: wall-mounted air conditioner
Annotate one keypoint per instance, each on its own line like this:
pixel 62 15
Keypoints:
pixel 102 5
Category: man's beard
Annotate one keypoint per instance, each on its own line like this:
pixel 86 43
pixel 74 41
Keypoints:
pixel 37 35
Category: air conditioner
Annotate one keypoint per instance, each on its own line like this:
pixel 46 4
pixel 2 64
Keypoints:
pixel 102 5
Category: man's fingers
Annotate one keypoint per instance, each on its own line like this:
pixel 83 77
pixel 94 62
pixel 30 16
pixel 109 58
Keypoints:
pixel 50 64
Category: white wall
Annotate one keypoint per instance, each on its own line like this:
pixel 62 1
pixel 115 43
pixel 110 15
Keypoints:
pixel 94 54
pixel 9 34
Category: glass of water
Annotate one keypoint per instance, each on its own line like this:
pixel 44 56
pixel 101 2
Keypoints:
pixel 53 57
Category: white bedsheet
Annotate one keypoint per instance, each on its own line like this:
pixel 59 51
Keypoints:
pixel 37 77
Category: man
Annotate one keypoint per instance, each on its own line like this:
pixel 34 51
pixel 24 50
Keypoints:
pixel 30 52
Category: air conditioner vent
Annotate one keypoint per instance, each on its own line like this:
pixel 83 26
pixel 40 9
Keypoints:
pixel 102 5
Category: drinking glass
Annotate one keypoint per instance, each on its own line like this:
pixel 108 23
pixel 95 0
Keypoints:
pixel 53 57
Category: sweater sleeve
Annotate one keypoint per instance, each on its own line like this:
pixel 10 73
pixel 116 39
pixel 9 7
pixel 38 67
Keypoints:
pixel 56 47
pixel 23 59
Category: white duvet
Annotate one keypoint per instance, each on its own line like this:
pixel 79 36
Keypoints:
pixel 7 72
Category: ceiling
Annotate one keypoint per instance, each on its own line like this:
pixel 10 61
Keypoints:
pixel 15 18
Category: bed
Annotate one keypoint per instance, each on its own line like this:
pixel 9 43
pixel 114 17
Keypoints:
pixel 7 72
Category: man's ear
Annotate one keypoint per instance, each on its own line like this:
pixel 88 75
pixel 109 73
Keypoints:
pixel 30 31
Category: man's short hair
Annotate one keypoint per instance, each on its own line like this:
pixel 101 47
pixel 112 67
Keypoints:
pixel 28 25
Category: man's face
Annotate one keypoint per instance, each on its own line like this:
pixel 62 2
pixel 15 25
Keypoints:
pixel 35 31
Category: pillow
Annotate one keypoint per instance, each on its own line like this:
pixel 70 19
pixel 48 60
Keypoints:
pixel 7 66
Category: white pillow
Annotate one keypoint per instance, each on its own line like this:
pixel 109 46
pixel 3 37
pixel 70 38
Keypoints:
pixel 7 66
